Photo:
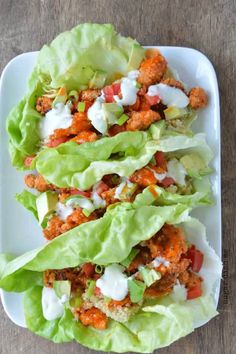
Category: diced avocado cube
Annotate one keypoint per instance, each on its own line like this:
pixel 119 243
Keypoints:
pixel 136 290
pixel 194 165
pixel 136 56
pixel 173 112
pixel 157 129
pixel 46 204
pixel 62 287
pixel 112 112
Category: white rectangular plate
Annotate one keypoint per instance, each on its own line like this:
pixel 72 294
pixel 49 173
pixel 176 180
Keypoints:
pixel 19 232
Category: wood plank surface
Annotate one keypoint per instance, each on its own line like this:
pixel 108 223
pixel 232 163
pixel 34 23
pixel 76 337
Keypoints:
pixel 207 25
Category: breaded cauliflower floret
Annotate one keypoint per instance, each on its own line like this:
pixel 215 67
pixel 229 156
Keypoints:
pixel 152 69
pixel 141 120
pixel 197 98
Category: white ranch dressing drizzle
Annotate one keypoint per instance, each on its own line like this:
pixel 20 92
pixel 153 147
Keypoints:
pixel 129 95
pixel 159 261
pixel 63 211
pixel 128 89
pixel 98 202
pixel 113 283
pixel 158 176
pixel 52 305
pixel 170 96
pixel 82 202
pixel 58 117
pixel 176 171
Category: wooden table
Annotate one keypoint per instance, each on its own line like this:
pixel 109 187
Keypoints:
pixel 207 25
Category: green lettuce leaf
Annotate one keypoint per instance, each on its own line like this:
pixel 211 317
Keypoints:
pixel 28 200
pixel 81 166
pixel 72 60
pixel 22 128
pixel 156 195
pixel 75 56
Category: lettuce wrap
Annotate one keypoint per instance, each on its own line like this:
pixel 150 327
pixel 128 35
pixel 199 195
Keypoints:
pixel 73 60
pixel 158 323
pixel 122 158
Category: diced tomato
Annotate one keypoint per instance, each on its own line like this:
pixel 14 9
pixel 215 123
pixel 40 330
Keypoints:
pixel 167 181
pixel 160 159
pixel 116 88
pixel 56 142
pixel 194 292
pixel 97 291
pixel 101 187
pixel 108 94
pixel 110 91
pixel 28 160
pixel 152 100
pixel 88 269
pixel 86 194
pixel 196 258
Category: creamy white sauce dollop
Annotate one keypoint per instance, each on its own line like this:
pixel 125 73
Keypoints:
pixel 170 96
pixel 97 117
pixel 98 202
pixel 113 283
pixel 58 117
pixel 158 176
pixel 128 89
pixel 63 211
pixel 176 171
pixel 52 306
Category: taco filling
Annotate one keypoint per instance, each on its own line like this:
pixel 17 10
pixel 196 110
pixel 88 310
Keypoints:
pixel 165 264
pixel 131 103
pixel 70 207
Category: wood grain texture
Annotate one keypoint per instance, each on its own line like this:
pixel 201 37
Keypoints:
pixel 209 26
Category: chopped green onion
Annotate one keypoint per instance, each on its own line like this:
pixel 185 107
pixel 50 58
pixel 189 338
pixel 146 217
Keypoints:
pixel 150 276
pixel 126 262
pixel 99 269
pixel 138 85
pixel 136 290
pixel 74 94
pixel 90 288
pixel 122 119
pixel 81 107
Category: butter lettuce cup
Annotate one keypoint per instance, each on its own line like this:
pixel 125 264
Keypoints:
pixel 130 167
pixel 90 83
pixel 128 284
